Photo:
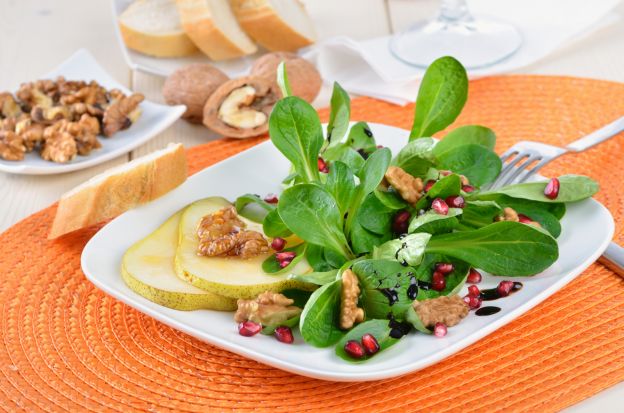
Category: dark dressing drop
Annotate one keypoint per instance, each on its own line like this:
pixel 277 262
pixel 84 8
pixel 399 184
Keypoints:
pixel 489 310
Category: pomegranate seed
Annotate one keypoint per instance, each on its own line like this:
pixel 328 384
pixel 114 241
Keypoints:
pixel 271 199
pixel 380 146
pixel 456 201
pixel 552 188
pixel 285 256
pixel 468 188
pixel 524 219
pixel 278 243
pixel 285 263
pixel 504 288
pixel 474 276
pixel 440 206
pixel 370 344
pixel 354 349
pixel 473 302
pixel 400 224
pixel 284 334
pixel 249 328
pixel 444 267
pixel 429 184
pixel 439 330
pixel 322 166
pixel 473 290
pixel 438 283
pixel 445 173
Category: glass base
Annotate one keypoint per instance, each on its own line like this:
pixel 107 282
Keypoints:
pixel 475 43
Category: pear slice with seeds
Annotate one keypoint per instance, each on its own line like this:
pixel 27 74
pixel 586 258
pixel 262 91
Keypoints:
pixel 227 276
pixel 148 269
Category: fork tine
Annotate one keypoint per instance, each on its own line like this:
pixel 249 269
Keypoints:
pixel 530 172
pixel 509 152
pixel 509 178
pixel 507 168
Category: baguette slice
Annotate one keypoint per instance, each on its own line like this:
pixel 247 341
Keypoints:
pixel 277 25
pixel 119 189
pixel 153 27
pixel 211 24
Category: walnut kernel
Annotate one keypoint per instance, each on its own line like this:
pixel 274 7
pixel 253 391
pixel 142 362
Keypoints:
pixel 350 313
pixel 268 309
pixel 444 309
pixel 407 186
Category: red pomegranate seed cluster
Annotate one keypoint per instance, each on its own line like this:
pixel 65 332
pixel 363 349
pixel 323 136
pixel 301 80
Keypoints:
pixel 400 224
pixel 444 267
pixel 249 328
pixel 429 184
pixel 441 270
pixel 322 166
pixel 474 276
pixel 504 288
pixel 473 299
pixel 468 188
pixel 455 201
pixel 271 199
pixel 439 330
pixel 278 243
pixel 439 206
pixel 552 189
pixel 285 258
pixel 284 334
pixel 368 345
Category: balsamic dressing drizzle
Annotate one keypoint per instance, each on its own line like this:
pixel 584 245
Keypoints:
pixel 489 310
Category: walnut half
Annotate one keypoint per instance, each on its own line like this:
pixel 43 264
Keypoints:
pixel 350 313
pixel 447 310
pixel 407 186
pixel 269 309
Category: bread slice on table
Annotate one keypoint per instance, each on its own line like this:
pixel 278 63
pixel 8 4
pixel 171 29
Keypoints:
pixel 211 24
pixel 153 27
pixel 277 25
pixel 119 189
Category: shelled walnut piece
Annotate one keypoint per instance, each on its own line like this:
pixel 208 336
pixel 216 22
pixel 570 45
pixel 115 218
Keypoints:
pixel 268 309
pixel 222 233
pixel 444 309
pixel 406 185
pixel 350 313
pixel 62 118
pixel 509 214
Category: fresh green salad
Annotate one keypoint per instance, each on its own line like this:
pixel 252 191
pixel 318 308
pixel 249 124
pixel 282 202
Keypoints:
pixel 387 235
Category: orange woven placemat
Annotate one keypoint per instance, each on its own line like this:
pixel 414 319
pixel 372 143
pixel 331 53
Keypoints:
pixel 65 346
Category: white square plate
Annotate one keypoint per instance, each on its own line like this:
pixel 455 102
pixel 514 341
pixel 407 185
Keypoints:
pixel 154 119
pixel 164 66
pixel 587 229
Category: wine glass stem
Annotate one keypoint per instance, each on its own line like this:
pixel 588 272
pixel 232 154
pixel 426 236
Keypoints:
pixel 454 11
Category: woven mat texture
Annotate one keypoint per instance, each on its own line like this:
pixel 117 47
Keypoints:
pixel 65 346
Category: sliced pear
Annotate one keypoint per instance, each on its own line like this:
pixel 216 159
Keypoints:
pixel 227 276
pixel 148 269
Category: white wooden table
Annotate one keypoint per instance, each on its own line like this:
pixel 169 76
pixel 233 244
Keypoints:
pixel 36 35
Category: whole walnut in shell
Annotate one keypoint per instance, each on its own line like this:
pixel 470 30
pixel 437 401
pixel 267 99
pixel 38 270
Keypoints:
pixel 191 86
pixel 303 77
pixel 240 108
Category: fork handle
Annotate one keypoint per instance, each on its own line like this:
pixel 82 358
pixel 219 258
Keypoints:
pixel 598 136
pixel 613 258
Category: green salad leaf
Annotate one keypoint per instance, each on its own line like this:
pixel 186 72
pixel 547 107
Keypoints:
pixel 313 214
pixel 412 317
pixel 378 328
pixel 271 266
pixel 282 80
pixel 339 115
pixel 295 129
pixel 454 280
pixel 361 139
pixel 416 157
pixel 441 97
pixel 477 163
pixel 572 188
pixel 319 319
pixel 407 250
pixel 502 248
pixel 273 226
pixel 434 223
pixel 341 184
pixel 244 207
pixel 318 278
pixel 466 135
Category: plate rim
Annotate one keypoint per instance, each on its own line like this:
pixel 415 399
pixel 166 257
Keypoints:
pixel 170 116
pixel 341 376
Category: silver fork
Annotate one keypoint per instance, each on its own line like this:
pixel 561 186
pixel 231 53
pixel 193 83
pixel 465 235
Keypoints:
pixel 526 153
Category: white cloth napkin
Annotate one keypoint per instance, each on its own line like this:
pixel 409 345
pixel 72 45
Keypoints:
pixel 368 68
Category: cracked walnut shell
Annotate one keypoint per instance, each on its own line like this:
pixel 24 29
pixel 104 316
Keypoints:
pixel 444 309
pixel 269 309
pixel 350 313
pixel 406 185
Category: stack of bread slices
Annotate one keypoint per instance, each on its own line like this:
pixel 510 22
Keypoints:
pixel 221 29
